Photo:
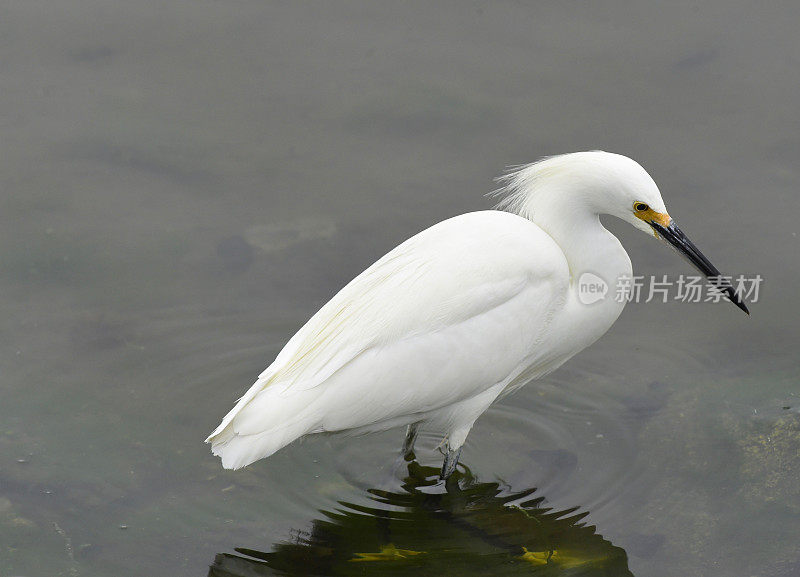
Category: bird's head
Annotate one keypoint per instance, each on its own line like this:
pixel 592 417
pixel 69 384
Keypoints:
pixel 597 183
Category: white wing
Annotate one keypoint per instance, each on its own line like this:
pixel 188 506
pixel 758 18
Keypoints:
pixel 442 317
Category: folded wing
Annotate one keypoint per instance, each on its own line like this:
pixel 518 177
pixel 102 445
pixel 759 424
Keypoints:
pixel 406 335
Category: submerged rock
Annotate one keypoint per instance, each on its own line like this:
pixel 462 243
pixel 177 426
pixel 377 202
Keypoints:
pixel 725 473
pixel 770 465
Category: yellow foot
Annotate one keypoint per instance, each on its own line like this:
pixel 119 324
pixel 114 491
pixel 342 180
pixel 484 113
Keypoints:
pixel 388 553
pixel 555 557
pixel 537 557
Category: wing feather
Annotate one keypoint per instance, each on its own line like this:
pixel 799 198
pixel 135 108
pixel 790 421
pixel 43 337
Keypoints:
pixel 452 274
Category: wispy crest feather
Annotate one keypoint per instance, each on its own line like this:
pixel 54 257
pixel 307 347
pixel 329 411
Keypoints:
pixel 517 185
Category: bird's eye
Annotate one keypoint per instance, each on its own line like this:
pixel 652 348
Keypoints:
pixel 640 206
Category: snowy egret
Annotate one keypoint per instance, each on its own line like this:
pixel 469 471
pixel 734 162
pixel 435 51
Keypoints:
pixel 461 313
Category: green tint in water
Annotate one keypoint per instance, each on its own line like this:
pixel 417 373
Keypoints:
pixel 467 528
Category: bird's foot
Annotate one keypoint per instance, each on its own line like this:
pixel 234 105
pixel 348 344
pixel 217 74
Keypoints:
pixel 450 463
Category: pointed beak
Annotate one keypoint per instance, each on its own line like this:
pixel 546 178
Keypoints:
pixel 681 243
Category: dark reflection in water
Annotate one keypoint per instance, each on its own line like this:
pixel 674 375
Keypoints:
pixel 466 528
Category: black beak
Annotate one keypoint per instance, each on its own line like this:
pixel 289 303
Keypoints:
pixel 680 242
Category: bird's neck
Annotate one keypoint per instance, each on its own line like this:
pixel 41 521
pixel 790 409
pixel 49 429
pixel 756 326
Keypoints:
pixel 587 245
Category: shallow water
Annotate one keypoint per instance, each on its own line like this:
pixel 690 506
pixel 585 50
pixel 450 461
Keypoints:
pixel 184 184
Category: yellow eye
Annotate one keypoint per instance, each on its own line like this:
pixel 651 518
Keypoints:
pixel 640 207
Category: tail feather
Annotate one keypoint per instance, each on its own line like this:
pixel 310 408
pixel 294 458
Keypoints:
pixel 237 451
pixel 219 433
pixel 262 422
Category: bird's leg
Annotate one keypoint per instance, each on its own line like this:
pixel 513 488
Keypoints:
pixel 450 462
pixel 408 444
pixel 402 465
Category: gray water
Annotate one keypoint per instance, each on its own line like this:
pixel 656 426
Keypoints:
pixel 184 183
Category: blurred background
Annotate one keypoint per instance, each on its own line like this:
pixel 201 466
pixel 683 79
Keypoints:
pixel 185 182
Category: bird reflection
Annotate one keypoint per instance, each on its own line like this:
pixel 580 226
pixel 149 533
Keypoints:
pixel 464 528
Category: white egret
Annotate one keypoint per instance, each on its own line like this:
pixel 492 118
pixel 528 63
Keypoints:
pixel 470 309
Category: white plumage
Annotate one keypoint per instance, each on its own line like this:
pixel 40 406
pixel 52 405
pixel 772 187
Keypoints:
pixel 439 327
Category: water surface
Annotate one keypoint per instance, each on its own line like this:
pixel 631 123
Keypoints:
pixel 185 183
